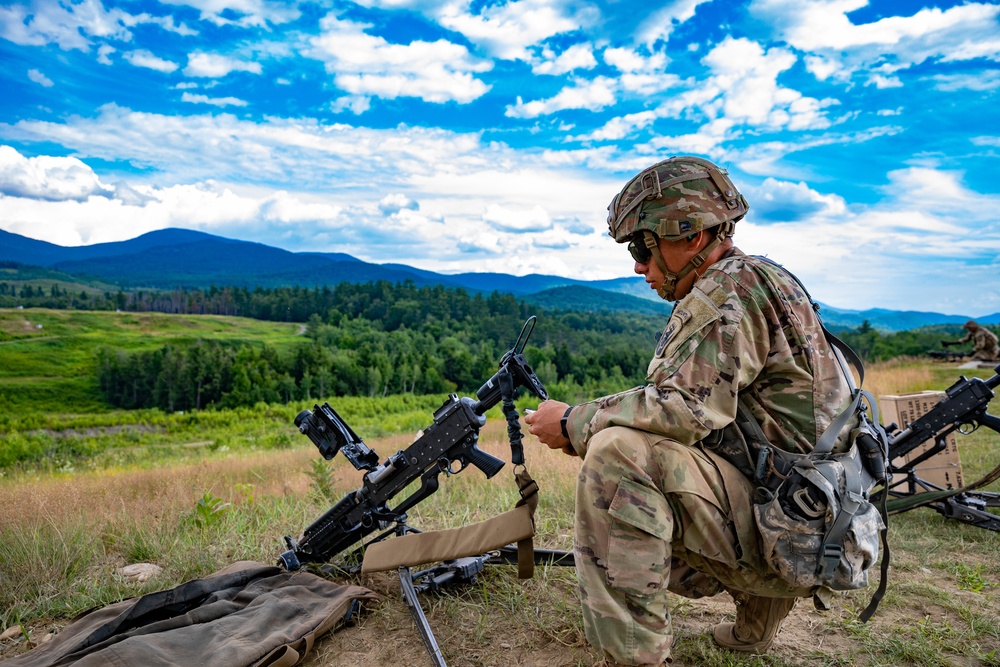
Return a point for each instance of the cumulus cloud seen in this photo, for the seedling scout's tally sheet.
(366, 65)
(40, 78)
(578, 56)
(644, 74)
(661, 23)
(214, 65)
(507, 30)
(593, 95)
(937, 232)
(506, 219)
(143, 58)
(70, 25)
(842, 47)
(104, 52)
(396, 202)
(783, 201)
(48, 178)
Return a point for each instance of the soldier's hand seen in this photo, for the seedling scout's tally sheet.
(946, 343)
(544, 424)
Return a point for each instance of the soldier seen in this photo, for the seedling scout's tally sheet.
(657, 509)
(984, 342)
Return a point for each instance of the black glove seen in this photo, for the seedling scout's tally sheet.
(947, 343)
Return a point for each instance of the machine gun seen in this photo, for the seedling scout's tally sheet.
(963, 409)
(947, 355)
(449, 445)
(451, 440)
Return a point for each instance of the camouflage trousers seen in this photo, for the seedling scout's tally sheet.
(654, 516)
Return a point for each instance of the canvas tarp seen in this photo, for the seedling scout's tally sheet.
(247, 614)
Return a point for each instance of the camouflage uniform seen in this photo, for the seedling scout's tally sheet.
(985, 346)
(656, 509)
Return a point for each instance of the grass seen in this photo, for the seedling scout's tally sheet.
(195, 492)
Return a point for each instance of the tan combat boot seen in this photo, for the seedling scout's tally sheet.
(757, 622)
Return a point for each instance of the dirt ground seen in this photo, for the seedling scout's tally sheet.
(473, 633)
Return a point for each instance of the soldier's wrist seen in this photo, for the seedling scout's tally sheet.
(562, 422)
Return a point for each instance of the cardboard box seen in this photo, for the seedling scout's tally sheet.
(944, 469)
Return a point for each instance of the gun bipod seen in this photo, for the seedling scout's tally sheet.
(419, 618)
(969, 507)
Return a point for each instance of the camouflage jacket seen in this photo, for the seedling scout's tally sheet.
(746, 329)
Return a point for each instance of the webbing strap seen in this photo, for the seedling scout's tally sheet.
(516, 525)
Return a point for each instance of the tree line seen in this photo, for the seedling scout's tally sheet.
(377, 339)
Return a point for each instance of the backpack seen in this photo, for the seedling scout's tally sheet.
(818, 527)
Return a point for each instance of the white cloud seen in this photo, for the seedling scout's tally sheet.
(741, 93)
(365, 65)
(661, 23)
(47, 178)
(840, 47)
(143, 58)
(213, 65)
(214, 101)
(507, 30)
(645, 75)
(981, 81)
(40, 78)
(594, 95)
(506, 219)
(928, 235)
(243, 13)
(620, 127)
(578, 56)
(104, 52)
(67, 24)
(396, 202)
(783, 201)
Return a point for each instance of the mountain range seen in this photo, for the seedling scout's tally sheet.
(182, 258)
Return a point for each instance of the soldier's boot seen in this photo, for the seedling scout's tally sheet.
(758, 620)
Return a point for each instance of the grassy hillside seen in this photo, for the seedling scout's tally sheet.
(47, 357)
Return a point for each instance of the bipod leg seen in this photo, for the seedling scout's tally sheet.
(417, 612)
(967, 510)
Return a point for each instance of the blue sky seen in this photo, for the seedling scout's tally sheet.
(490, 136)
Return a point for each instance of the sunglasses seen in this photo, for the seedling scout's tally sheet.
(637, 247)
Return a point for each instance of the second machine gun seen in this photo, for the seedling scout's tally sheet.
(963, 409)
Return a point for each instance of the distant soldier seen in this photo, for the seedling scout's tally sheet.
(984, 342)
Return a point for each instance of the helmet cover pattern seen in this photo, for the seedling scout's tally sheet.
(675, 198)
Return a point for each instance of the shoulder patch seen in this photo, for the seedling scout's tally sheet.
(696, 311)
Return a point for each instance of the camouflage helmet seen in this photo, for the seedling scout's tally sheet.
(676, 198)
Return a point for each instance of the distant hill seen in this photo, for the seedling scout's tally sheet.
(181, 258)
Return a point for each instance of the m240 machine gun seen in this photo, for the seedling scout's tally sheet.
(448, 446)
(963, 409)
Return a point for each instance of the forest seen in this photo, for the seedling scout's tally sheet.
(379, 339)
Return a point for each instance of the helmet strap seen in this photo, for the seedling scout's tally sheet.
(668, 289)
